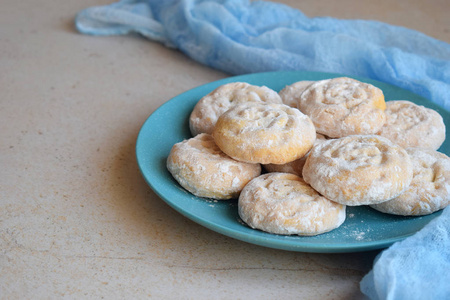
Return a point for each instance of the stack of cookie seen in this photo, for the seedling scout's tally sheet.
(297, 158)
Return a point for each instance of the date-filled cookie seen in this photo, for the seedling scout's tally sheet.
(429, 190)
(206, 112)
(264, 133)
(411, 125)
(204, 170)
(283, 203)
(343, 106)
(358, 169)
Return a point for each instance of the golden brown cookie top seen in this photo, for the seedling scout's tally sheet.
(264, 133)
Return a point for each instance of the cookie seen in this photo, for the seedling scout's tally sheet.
(283, 203)
(206, 112)
(296, 166)
(291, 93)
(264, 133)
(411, 125)
(343, 106)
(358, 169)
(429, 190)
(199, 166)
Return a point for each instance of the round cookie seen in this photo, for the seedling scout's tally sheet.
(296, 166)
(411, 125)
(206, 112)
(343, 106)
(291, 93)
(358, 169)
(283, 203)
(429, 190)
(204, 170)
(264, 133)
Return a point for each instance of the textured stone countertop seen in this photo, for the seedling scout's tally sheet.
(77, 218)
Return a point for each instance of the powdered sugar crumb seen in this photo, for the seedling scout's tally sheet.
(360, 236)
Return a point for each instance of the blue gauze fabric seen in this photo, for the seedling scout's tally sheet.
(415, 268)
(241, 37)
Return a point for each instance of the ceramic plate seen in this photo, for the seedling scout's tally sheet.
(364, 228)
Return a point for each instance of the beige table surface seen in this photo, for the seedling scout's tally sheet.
(78, 220)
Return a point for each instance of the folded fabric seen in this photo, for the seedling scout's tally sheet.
(238, 36)
(415, 268)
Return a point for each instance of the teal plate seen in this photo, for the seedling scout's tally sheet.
(364, 229)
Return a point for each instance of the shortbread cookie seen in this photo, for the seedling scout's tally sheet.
(358, 169)
(264, 133)
(411, 125)
(430, 187)
(204, 170)
(343, 106)
(290, 94)
(206, 112)
(296, 166)
(283, 203)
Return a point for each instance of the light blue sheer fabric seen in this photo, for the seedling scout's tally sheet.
(238, 36)
(415, 268)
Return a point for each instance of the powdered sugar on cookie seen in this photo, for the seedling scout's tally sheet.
(291, 94)
(206, 112)
(429, 190)
(343, 106)
(205, 171)
(283, 203)
(358, 169)
(412, 125)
